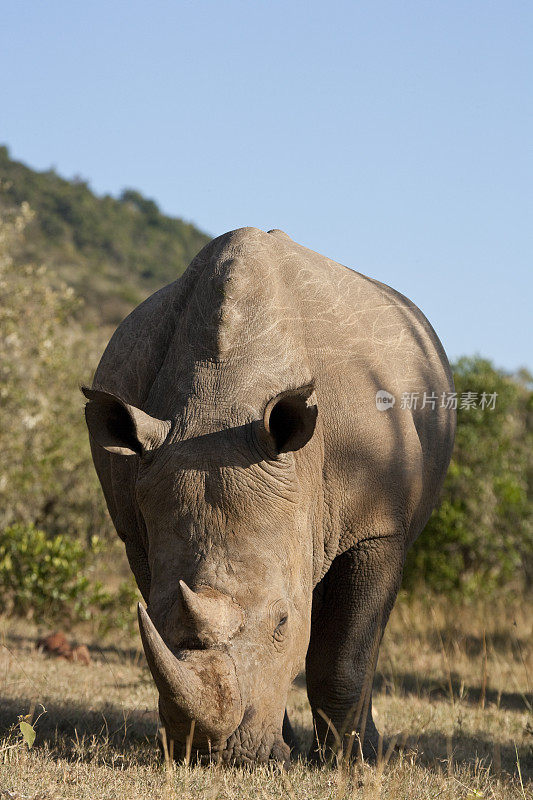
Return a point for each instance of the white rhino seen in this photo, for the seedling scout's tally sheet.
(266, 485)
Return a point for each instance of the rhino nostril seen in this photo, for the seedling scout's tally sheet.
(192, 643)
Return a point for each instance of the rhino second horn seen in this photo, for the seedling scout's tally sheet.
(202, 686)
(214, 616)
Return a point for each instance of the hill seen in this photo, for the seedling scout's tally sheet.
(113, 251)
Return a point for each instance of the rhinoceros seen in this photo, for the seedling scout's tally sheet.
(271, 436)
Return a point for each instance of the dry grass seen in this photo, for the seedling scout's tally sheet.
(456, 681)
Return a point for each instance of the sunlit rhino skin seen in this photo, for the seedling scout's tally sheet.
(265, 501)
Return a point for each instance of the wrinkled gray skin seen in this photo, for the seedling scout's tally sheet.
(265, 503)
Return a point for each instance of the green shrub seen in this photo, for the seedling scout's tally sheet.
(115, 610)
(42, 576)
(480, 538)
(45, 578)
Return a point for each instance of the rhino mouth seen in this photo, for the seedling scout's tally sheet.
(199, 684)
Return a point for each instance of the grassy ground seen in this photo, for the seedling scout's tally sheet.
(454, 685)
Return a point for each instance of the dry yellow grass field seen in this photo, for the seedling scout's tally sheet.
(453, 687)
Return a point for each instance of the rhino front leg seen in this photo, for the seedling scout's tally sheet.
(351, 606)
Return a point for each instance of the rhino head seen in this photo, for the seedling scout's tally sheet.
(229, 513)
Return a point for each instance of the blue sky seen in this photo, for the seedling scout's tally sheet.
(395, 137)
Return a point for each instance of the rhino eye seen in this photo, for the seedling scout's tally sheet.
(280, 629)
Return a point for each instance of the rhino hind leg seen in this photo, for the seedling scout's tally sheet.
(351, 606)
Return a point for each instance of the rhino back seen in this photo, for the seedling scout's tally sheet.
(255, 314)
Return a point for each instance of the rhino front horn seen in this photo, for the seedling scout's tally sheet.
(201, 685)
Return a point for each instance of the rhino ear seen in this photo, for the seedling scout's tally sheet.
(289, 418)
(120, 428)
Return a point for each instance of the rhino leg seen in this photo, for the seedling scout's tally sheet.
(289, 737)
(351, 606)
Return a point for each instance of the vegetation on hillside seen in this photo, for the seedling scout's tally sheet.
(46, 477)
(114, 252)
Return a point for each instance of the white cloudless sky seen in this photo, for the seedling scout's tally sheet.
(395, 137)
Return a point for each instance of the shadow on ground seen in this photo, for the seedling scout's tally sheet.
(74, 732)
(409, 683)
(77, 734)
(432, 750)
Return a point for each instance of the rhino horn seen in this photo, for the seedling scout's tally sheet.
(201, 686)
(214, 616)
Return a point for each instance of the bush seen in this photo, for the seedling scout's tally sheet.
(45, 579)
(480, 537)
(42, 577)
